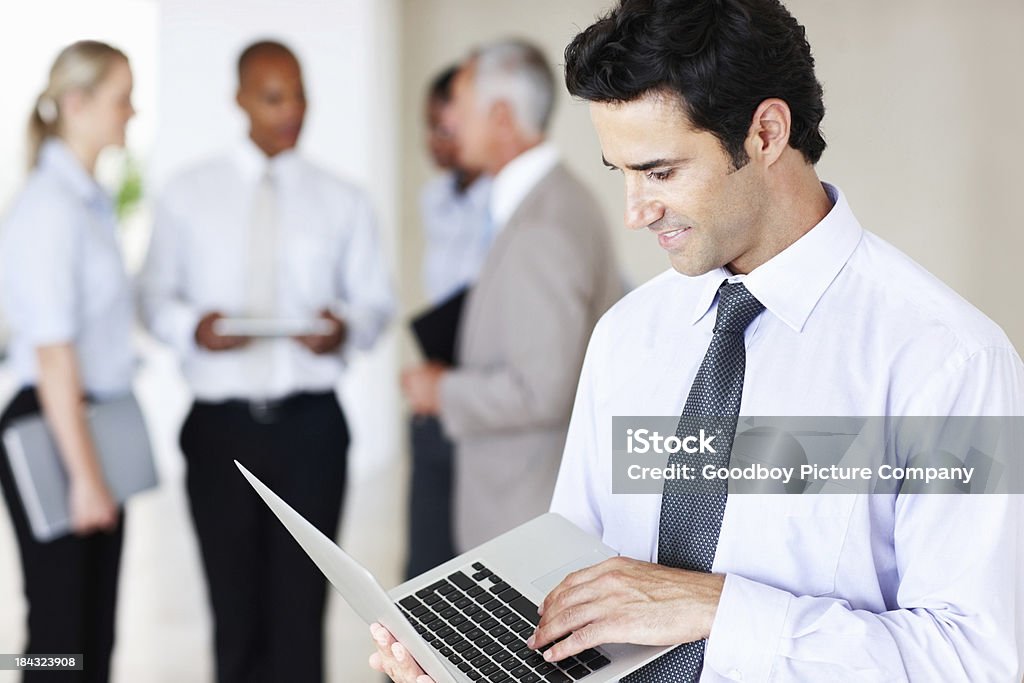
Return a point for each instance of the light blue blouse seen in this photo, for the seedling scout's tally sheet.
(62, 278)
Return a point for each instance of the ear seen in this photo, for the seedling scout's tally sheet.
(239, 98)
(769, 131)
(501, 113)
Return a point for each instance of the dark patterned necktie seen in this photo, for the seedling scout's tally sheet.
(692, 510)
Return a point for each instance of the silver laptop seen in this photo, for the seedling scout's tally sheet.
(468, 619)
(118, 428)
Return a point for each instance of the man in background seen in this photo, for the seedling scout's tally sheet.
(548, 277)
(456, 235)
(262, 235)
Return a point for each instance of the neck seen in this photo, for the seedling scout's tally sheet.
(511, 149)
(463, 179)
(797, 203)
(85, 153)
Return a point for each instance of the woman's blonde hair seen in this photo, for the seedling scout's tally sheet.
(79, 66)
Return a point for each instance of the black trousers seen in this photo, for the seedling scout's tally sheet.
(70, 583)
(267, 596)
(430, 497)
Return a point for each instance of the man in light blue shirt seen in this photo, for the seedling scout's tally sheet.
(453, 207)
(457, 235)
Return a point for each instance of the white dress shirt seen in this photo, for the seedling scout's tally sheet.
(836, 587)
(329, 257)
(456, 234)
(517, 178)
(63, 278)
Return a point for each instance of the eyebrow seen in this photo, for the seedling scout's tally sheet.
(647, 165)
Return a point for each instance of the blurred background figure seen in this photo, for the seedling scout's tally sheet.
(548, 277)
(261, 233)
(69, 306)
(454, 205)
(457, 236)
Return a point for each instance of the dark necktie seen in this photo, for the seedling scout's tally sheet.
(692, 510)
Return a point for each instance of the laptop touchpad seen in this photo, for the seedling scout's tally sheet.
(552, 579)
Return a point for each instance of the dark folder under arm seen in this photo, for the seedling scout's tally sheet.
(437, 329)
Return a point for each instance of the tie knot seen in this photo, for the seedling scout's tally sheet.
(737, 307)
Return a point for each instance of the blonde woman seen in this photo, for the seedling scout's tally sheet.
(69, 306)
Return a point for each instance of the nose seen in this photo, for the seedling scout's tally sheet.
(641, 210)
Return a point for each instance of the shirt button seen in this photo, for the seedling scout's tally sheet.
(736, 674)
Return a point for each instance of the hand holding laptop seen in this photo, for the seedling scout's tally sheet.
(620, 600)
(393, 660)
(469, 618)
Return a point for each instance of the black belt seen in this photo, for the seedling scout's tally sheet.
(269, 411)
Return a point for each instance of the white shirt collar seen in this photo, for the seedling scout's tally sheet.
(253, 163)
(517, 179)
(790, 283)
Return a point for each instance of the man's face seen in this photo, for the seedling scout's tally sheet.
(272, 95)
(681, 185)
(470, 123)
(440, 140)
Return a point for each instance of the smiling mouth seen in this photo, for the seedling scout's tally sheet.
(672, 238)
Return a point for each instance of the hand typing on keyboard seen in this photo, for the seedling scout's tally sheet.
(478, 623)
(393, 659)
(622, 600)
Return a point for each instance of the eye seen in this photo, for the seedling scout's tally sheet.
(660, 175)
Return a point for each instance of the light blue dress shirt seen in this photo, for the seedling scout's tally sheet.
(839, 587)
(457, 234)
(62, 276)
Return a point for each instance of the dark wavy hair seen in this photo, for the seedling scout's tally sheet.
(722, 58)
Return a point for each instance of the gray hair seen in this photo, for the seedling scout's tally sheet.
(516, 72)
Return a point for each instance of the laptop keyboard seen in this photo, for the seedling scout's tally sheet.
(480, 624)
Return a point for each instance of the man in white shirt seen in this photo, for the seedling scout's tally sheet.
(261, 233)
(548, 277)
(880, 587)
(711, 111)
(457, 236)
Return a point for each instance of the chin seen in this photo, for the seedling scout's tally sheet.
(689, 267)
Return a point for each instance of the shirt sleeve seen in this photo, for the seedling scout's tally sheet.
(40, 262)
(367, 300)
(166, 311)
(576, 494)
(961, 595)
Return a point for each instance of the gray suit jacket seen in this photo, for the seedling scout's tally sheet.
(549, 276)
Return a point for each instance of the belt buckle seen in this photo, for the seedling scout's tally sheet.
(264, 411)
